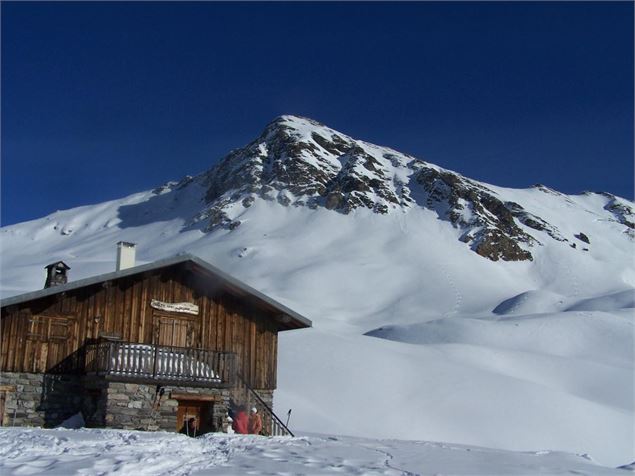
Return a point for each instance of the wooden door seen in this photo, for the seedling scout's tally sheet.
(175, 331)
(186, 410)
(50, 339)
(201, 410)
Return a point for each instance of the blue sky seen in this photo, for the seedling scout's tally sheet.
(100, 100)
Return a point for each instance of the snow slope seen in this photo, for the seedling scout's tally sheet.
(94, 452)
(416, 336)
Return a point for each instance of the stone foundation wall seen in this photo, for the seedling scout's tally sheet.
(46, 400)
(140, 407)
(95, 401)
(40, 399)
(267, 396)
(242, 396)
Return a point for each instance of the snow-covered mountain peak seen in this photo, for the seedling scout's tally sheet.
(300, 126)
(300, 162)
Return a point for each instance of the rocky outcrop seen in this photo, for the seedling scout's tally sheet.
(488, 223)
(622, 211)
(582, 237)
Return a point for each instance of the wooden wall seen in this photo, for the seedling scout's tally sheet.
(39, 334)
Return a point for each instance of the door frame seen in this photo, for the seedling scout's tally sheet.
(203, 411)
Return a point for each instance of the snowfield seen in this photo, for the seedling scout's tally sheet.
(97, 452)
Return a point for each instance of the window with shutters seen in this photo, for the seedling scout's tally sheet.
(46, 328)
(49, 341)
(175, 331)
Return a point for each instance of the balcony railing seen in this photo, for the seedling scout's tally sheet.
(163, 364)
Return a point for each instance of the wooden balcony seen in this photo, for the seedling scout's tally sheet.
(142, 363)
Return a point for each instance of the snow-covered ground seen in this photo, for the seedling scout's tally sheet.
(97, 452)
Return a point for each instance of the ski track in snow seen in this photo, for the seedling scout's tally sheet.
(572, 278)
(458, 296)
(388, 462)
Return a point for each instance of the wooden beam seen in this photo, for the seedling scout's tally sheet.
(195, 397)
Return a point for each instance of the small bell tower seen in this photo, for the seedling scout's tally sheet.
(56, 274)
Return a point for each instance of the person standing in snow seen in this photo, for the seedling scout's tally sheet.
(255, 422)
(241, 421)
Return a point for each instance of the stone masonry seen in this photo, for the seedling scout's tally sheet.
(41, 399)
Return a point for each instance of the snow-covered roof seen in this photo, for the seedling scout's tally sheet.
(232, 284)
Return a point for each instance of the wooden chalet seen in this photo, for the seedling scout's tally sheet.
(147, 347)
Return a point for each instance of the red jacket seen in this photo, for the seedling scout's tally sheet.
(240, 423)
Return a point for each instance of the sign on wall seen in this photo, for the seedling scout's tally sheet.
(183, 307)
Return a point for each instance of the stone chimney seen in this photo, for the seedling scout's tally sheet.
(56, 274)
(125, 255)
